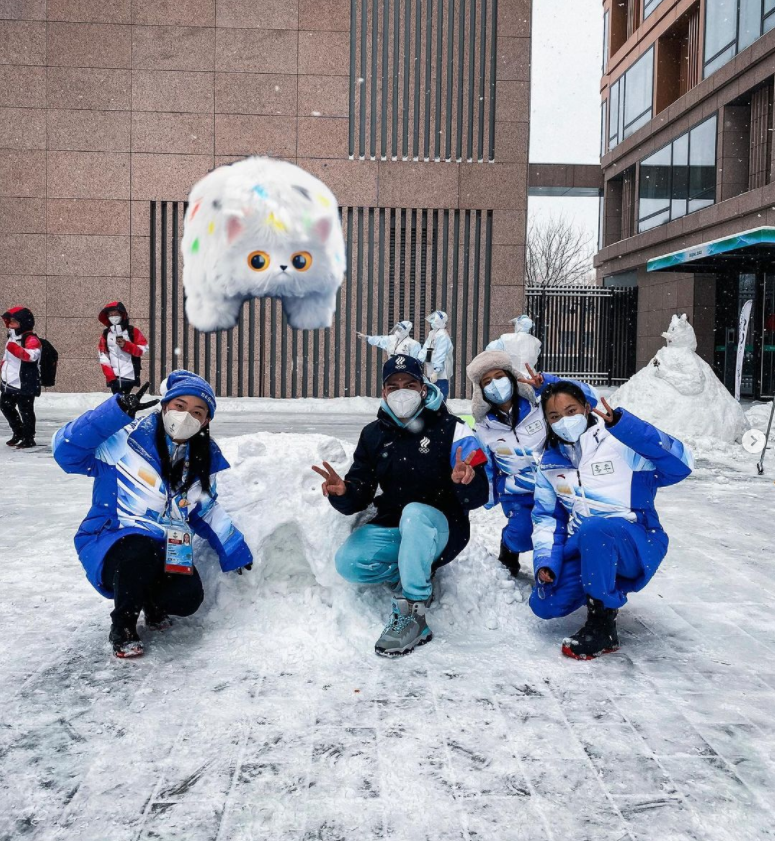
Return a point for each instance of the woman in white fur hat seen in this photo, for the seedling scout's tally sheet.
(511, 427)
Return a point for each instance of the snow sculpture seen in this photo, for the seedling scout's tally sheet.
(261, 228)
(679, 392)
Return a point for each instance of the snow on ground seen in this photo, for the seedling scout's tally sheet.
(267, 715)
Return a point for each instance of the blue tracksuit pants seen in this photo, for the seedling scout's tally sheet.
(376, 554)
(518, 532)
(603, 559)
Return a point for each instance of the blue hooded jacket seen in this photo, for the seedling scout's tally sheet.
(129, 495)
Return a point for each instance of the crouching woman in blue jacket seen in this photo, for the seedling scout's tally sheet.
(596, 533)
(154, 489)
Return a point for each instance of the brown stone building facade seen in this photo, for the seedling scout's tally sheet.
(687, 157)
(415, 114)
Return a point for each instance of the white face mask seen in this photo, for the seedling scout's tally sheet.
(571, 428)
(114, 319)
(404, 402)
(180, 426)
(499, 390)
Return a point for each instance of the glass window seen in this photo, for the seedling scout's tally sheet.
(702, 165)
(605, 41)
(603, 144)
(613, 128)
(649, 6)
(639, 91)
(630, 100)
(750, 27)
(769, 21)
(655, 183)
(679, 178)
(769, 6)
(720, 26)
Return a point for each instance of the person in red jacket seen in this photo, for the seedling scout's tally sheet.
(20, 377)
(122, 346)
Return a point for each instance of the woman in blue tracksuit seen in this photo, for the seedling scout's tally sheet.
(511, 427)
(597, 536)
(154, 485)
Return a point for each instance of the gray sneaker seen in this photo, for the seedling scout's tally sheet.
(406, 629)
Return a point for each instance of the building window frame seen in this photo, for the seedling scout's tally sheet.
(606, 25)
(766, 23)
(649, 7)
(668, 208)
(624, 130)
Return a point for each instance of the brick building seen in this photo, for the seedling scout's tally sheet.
(687, 156)
(416, 115)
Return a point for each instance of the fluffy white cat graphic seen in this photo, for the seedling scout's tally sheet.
(261, 228)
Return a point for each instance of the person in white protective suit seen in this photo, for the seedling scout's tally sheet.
(523, 348)
(397, 341)
(437, 353)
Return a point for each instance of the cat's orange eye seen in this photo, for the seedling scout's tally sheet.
(258, 261)
(301, 261)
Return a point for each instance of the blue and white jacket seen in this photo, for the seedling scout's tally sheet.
(129, 495)
(613, 471)
(513, 454)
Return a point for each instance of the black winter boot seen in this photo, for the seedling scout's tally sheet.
(597, 636)
(12, 442)
(125, 641)
(26, 444)
(156, 619)
(509, 559)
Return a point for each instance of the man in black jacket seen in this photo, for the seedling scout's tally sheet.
(430, 470)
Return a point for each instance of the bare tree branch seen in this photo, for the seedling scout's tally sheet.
(558, 254)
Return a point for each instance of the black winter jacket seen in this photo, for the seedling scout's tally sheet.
(416, 466)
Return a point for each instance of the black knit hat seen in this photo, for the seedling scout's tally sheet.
(402, 364)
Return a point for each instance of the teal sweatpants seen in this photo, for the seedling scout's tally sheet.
(376, 554)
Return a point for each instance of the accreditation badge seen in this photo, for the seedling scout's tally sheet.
(179, 557)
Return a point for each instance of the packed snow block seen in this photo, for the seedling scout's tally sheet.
(276, 501)
(679, 392)
(261, 228)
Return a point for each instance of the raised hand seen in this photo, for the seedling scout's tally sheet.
(462, 472)
(535, 380)
(361, 335)
(608, 415)
(333, 483)
(131, 404)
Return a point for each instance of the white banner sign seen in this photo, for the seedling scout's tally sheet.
(745, 317)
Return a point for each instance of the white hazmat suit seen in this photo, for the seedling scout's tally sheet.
(397, 341)
(523, 348)
(437, 352)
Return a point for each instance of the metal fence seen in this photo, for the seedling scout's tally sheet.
(587, 332)
(402, 263)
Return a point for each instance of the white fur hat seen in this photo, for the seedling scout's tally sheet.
(478, 367)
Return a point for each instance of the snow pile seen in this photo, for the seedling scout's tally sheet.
(294, 534)
(679, 392)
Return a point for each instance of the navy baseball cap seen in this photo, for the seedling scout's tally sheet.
(402, 364)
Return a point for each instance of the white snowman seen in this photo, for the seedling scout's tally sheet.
(680, 393)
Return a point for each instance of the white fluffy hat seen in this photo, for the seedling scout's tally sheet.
(478, 367)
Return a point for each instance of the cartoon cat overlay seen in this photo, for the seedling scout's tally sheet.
(261, 228)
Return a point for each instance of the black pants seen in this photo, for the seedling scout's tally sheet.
(121, 386)
(19, 410)
(134, 570)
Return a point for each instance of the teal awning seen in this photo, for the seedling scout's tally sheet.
(757, 236)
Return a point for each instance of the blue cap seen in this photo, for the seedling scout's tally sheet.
(183, 383)
(402, 364)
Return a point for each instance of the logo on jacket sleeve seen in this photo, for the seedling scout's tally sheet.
(425, 444)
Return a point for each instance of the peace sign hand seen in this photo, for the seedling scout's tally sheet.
(131, 404)
(333, 484)
(535, 380)
(463, 473)
(608, 415)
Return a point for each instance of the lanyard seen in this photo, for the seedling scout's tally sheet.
(183, 501)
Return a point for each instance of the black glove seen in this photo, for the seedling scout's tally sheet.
(131, 404)
(247, 567)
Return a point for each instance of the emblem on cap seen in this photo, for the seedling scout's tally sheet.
(400, 362)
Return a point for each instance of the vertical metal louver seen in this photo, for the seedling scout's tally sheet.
(422, 79)
(402, 263)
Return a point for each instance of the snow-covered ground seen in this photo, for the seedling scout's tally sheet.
(267, 715)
